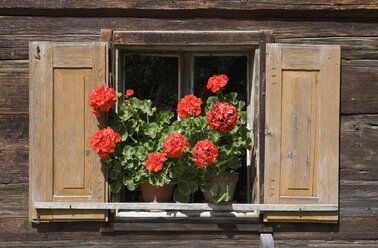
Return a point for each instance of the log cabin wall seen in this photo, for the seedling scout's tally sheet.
(351, 24)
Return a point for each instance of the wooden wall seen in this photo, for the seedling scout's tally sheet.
(326, 23)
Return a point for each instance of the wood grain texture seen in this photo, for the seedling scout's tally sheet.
(14, 149)
(84, 26)
(14, 200)
(186, 37)
(62, 77)
(194, 4)
(302, 126)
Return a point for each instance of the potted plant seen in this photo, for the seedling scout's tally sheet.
(139, 141)
(145, 147)
(218, 140)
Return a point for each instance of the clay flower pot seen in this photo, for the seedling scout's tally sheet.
(224, 180)
(153, 193)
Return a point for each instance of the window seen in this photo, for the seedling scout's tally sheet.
(294, 117)
(154, 74)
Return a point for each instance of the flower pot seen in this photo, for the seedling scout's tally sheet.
(224, 180)
(153, 193)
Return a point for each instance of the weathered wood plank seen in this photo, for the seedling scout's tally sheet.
(14, 93)
(359, 148)
(351, 47)
(186, 37)
(148, 242)
(17, 46)
(283, 28)
(193, 5)
(359, 84)
(349, 228)
(14, 148)
(14, 200)
(298, 243)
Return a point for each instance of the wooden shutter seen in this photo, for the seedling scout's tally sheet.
(63, 166)
(302, 129)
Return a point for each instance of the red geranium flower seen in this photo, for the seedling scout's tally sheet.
(175, 144)
(216, 82)
(102, 98)
(223, 117)
(155, 161)
(205, 153)
(129, 93)
(189, 106)
(104, 141)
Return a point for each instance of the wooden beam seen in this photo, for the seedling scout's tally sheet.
(192, 5)
(186, 37)
(187, 206)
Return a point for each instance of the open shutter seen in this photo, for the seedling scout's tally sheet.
(302, 129)
(63, 166)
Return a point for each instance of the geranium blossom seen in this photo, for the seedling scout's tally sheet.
(216, 82)
(102, 98)
(205, 153)
(129, 93)
(104, 141)
(189, 106)
(155, 161)
(175, 144)
(223, 117)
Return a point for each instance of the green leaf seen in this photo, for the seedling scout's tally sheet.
(214, 135)
(221, 194)
(129, 184)
(186, 188)
(210, 102)
(180, 198)
(115, 186)
(125, 112)
(152, 130)
(124, 134)
(128, 152)
(164, 117)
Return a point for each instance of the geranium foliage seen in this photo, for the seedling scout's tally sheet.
(147, 145)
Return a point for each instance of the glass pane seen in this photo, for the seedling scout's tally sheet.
(154, 78)
(235, 67)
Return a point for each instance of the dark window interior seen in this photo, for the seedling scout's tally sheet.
(153, 77)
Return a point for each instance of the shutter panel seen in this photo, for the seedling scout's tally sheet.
(63, 166)
(302, 129)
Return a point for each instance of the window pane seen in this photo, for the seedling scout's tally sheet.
(235, 67)
(153, 77)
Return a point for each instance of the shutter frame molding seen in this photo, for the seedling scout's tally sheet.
(65, 169)
(302, 129)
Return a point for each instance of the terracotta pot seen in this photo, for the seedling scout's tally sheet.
(153, 193)
(224, 180)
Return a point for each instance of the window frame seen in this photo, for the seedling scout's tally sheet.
(170, 43)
